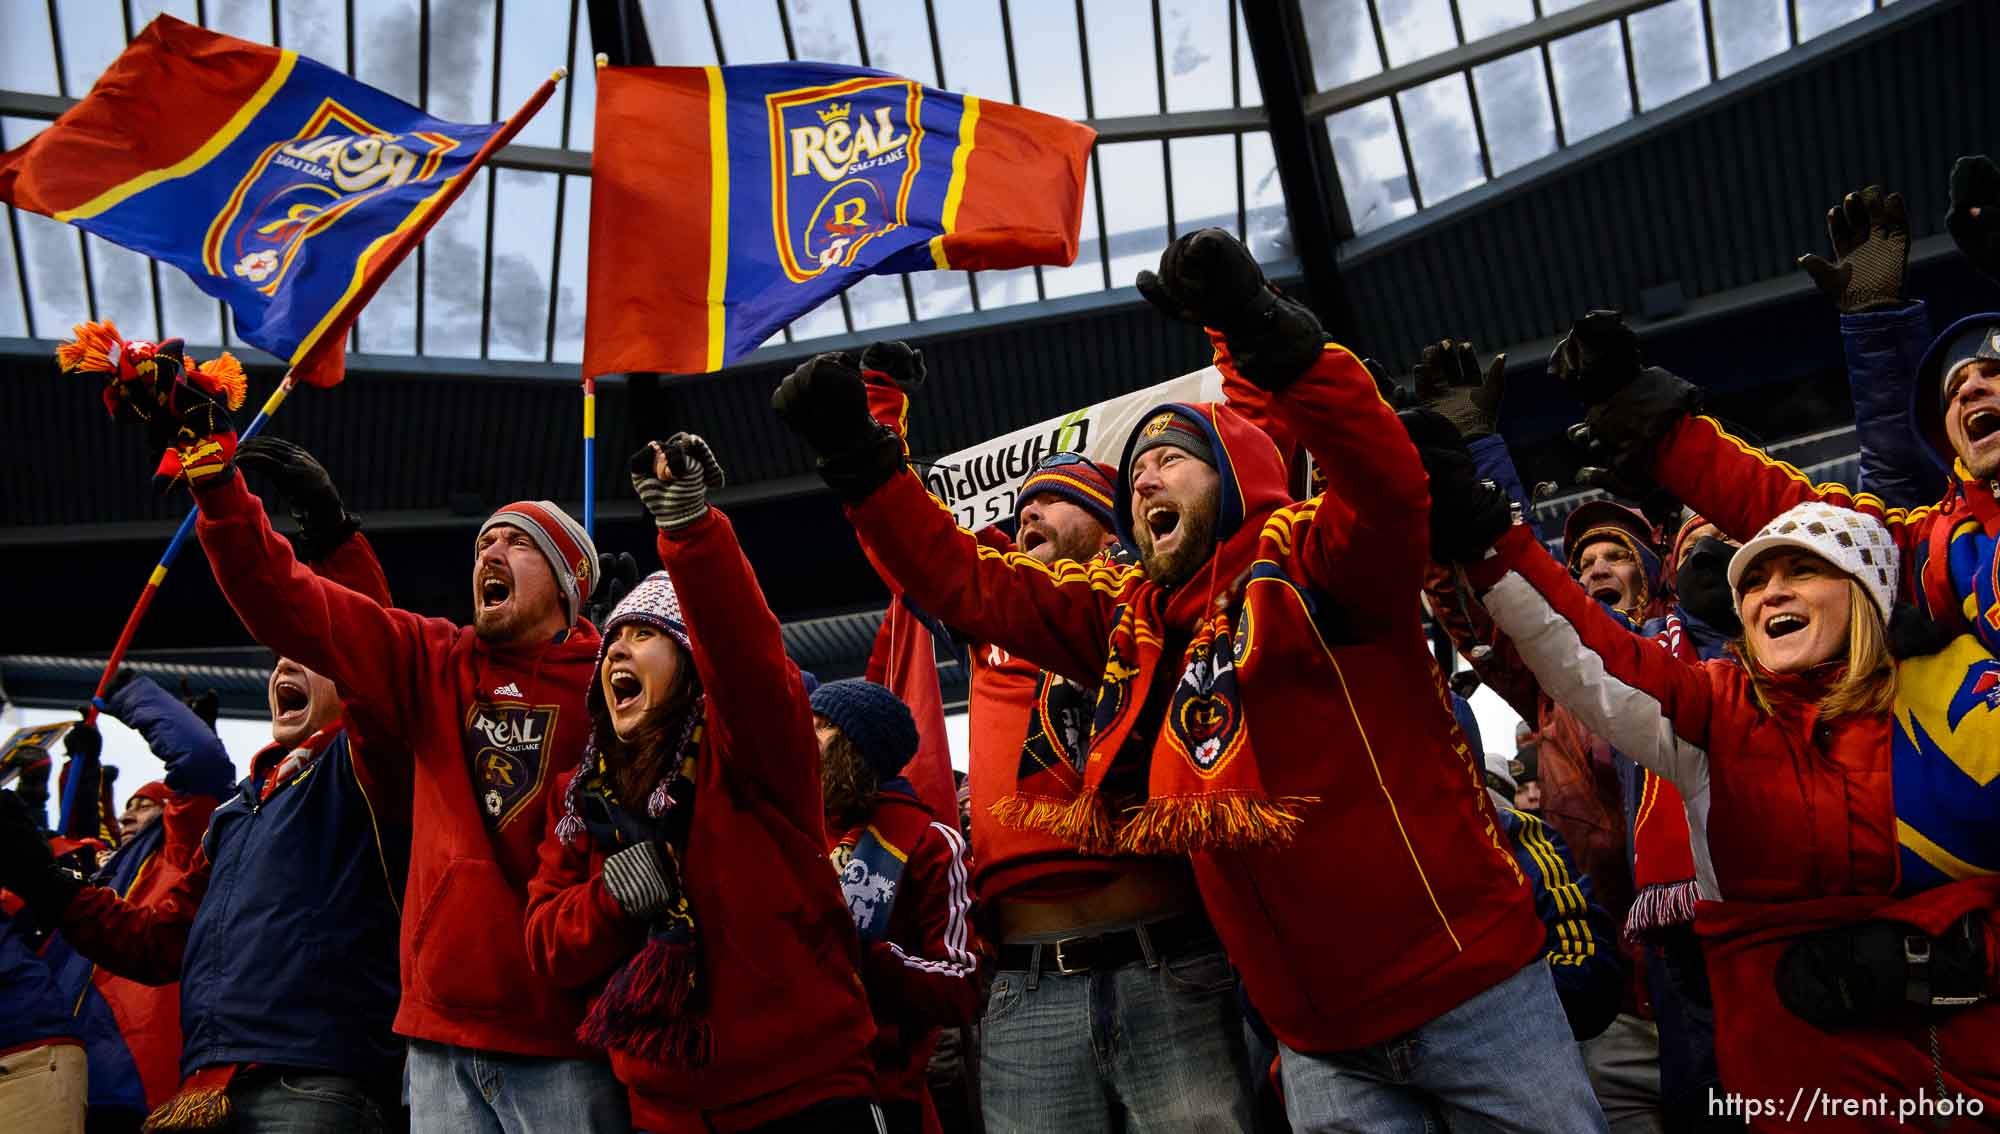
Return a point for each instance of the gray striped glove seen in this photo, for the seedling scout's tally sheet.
(681, 501)
(637, 882)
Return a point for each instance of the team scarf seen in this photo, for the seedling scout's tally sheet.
(1169, 767)
(870, 871)
(1662, 846)
(650, 1008)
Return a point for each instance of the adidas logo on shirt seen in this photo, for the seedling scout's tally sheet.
(508, 690)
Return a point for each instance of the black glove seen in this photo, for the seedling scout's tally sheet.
(308, 491)
(903, 363)
(1449, 381)
(1914, 634)
(1598, 356)
(1399, 397)
(1209, 277)
(1467, 514)
(206, 704)
(1618, 434)
(1974, 217)
(1702, 580)
(825, 402)
(27, 865)
(616, 576)
(1860, 973)
(83, 742)
(1870, 231)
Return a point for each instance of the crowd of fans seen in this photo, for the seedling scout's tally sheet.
(1230, 854)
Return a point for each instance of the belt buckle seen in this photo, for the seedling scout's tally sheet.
(1062, 965)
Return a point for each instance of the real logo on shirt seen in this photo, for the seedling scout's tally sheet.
(509, 746)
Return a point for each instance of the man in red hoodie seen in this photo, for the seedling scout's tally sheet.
(485, 712)
(1266, 704)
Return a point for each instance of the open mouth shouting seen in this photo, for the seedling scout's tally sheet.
(1981, 422)
(494, 591)
(1784, 624)
(290, 698)
(1032, 537)
(1163, 523)
(624, 690)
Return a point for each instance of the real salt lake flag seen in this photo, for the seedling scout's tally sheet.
(280, 186)
(727, 201)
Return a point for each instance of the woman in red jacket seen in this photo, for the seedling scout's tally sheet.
(1847, 884)
(684, 877)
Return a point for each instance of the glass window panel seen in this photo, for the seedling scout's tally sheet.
(1551, 7)
(1047, 57)
(1013, 288)
(1196, 41)
(1591, 84)
(1514, 102)
(1416, 29)
(1668, 52)
(751, 32)
(13, 309)
(1135, 208)
(55, 273)
(899, 38)
(823, 30)
(1438, 116)
(975, 59)
(531, 46)
(1491, 17)
(941, 293)
(1086, 272)
(27, 56)
(676, 29)
(1369, 159)
(388, 325)
(191, 313)
(316, 29)
(522, 239)
(1341, 40)
(93, 33)
(455, 274)
(1247, 89)
(143, 12)
(1270, 235)
(575, 275)
(1204, 182)
(244, 19)
(1748, 32)
(124, 288)
(461, 75)
(582, 95)
(1816, 17)
(1123, 76)
(385, 48)
(818, 323)
(877, 301)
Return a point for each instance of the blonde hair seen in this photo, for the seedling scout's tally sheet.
(1869, 683)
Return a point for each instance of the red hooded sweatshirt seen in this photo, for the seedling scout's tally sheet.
(1400, 864)
(1795, 822)
(778, 983)
(486, 726)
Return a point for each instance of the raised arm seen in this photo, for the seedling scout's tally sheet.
(196, 761)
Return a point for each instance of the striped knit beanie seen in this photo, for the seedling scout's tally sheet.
(1075, 478)
(564, 543)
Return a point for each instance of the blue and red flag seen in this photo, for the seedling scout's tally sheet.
(728, 201)
(279, 185)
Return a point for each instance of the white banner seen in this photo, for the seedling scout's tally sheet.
(978, 483)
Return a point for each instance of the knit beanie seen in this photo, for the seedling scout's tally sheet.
(874, 719)
(564, 543)
(1854, 542)
(1075, 478)
(157, 791)
(1172, 427)
(651, 603)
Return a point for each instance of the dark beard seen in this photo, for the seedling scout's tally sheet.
(1196, 545)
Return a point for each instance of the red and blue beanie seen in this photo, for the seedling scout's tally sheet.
(874, 719)
(1076, 478)
(1172, 427)
(564, 543)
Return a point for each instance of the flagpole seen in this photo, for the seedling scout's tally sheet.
(173, 552)
(589, 456)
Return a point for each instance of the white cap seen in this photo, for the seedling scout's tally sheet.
(1496, 768)
(1854, 542)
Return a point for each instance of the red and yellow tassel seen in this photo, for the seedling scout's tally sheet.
(90, 348)
(223, 376)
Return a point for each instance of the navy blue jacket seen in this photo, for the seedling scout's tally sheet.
(1883, 349)
(1580, 951)
(284, 933)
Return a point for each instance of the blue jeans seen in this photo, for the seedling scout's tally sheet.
(1501, 1061)
(457, 1090)
(303, 1102)
(1141, 1048)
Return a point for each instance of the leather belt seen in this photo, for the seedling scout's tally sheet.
(1072, 956)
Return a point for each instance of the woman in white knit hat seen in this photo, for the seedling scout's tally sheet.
(1837, 966)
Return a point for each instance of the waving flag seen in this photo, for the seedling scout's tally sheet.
(279, 185)
(728, 201)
